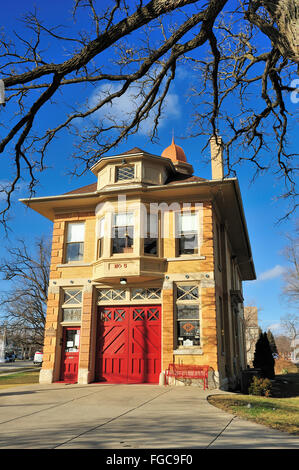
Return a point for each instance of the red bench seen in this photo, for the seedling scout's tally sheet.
(188, 371)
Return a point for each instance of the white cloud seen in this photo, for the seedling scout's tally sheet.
(275, 327)
(123, 107)
(271, 273)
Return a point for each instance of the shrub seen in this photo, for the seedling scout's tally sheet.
(261, 387)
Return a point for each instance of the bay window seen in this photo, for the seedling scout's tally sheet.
(151, 235)
(123, 233)
(101, 233)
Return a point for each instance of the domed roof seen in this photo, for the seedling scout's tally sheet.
(174, 152)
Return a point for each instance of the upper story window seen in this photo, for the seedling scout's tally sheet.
(218, 245)
(101, 237)
(151, 235)
(124, 173)
(187, 233)
(75, 241)
(123, 233)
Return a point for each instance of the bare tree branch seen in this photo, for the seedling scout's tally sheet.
(24, 305)
(146, 43)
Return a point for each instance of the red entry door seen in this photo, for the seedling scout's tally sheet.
(129, 346)
(70, 355)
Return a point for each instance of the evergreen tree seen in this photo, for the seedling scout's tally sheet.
(263, 358)
(272, 342)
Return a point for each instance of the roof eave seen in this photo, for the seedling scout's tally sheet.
(130, 156)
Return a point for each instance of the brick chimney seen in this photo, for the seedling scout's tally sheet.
(217, 158)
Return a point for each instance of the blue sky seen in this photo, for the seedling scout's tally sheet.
(262, 209)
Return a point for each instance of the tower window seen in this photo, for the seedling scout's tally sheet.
(124, 173)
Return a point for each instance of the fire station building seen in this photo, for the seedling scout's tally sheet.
(146, 269)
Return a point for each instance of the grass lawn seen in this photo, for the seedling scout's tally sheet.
(280, 411)
(19, 378)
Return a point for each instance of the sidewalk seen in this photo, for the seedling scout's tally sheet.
(106, 416)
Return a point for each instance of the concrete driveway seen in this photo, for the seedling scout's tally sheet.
(105, 416)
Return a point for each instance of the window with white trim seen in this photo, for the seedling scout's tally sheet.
(151, 235)
(123, 233)
(72, 305)
(100, 248)
(187, 233)
(111, 294)
(75, 241)
(187, 316)
(151, 293)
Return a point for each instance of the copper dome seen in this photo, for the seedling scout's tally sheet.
(175, 153)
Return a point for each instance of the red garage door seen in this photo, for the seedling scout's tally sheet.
(129, 344)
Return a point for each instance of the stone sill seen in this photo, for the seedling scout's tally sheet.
(186, 258)
(73, 265)
(187, 351)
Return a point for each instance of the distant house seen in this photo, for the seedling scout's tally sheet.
(147, 269)
(295, 350)
(251, 332)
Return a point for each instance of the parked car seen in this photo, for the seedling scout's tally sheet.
(38, 358)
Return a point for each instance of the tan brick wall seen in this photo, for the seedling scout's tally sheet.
(57, 248)
(208, 344)
(167, 327)
(85, 337)
(53, 329)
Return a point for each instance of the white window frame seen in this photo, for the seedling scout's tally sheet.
(73, 239)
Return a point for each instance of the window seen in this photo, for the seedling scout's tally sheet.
(75, 241)
(124, 173)
(72, 303)
(146, 294)
(71, 314)
(111, 294)
(73, 296)
(123, 233)
(222, 344)
(187, 233)
(151, 236)
(138, 294)
(187, 292)
(187, 310)
(218, 242)
(101, 237)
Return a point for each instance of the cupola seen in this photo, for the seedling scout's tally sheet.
(177, 155)
(174, 152)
